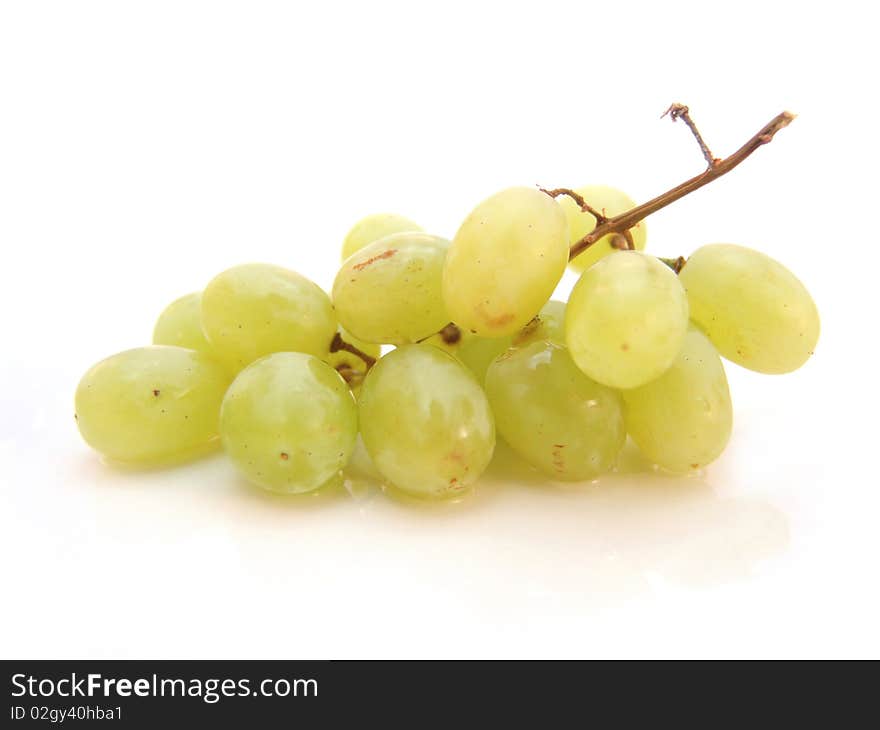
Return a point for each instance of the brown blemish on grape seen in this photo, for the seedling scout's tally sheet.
(156, 392)
(494, 320)
(378, 257)
(558, 461)
(284, 456)
(624, 346)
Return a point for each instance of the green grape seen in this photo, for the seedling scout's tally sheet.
(180, 324)
(478, 353)
(289, 423)
(548, 324)
(682, 420)
(372, 228)
(475, 353)
(626, 319)
(561, 422)
(389, 292)
(505, 262)
(426, 422)
(609, 202)
(253, 310)
(152, 405)
(755, 311)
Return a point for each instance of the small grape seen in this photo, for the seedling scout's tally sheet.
(372, 228)
(682, 420)
(289, 423)
(426, 422)
(390, 291)
(626, 319)
(505, 262)
(609, 202)
(151, 405)
(554, 416)
(755, 311)
(475, 353)
(253, 310)
(180, 324)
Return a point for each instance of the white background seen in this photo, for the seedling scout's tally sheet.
(145, 147)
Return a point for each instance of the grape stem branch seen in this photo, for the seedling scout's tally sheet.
(337, 344)
(620, 224)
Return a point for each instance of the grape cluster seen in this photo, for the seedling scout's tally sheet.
(286, 377)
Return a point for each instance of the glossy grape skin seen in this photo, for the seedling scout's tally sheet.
(374, 227)
(505, 261)
(253, 310)
(549, 324)
(608, 201)
(475, 353)
(180, 325)
(559, 420)
(289, 423)
(755, 311)
(426, 422)
(390, 291)
(683, 419)
(626, 319)
(151, 405)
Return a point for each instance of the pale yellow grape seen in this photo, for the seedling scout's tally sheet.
(151, 405)
(682, 420)
(559, 420)
(626, 319)
(289, 423)
(548, 324)
(372, 228)
(609, 202)
(755, 311)
(505, 262)
(426, 422)
(390, 291)
(180, 324)
(254, 310)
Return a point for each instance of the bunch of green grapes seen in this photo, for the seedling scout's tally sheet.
(265, 364)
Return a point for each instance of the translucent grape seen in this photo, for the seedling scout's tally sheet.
(682, 420)
(608, 201)
(475, 353)
(549, 324)
(559, 420)
(626, 319)
(426, 422)
(256, 309)
(372, 228)
(505, 262)
(390, 291)
(755, 311)
(180, 324)
(151, 405)
(289, 423)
